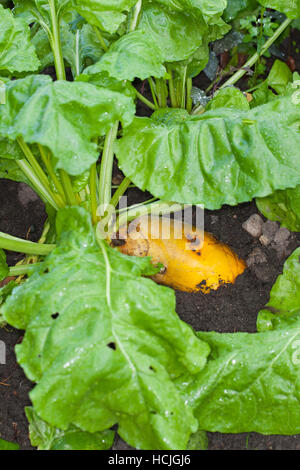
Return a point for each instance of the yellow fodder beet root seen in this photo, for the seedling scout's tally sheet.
(193, 260)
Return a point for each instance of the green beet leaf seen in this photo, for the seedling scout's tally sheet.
(5, 291)
(279, 77)
(46, 437)
(10, 170)
(284, 297)
(10, 150)
(282, 206)
(133, 55)
(105, 14)
(40, 10)
(224, 156)
(250, 382)
(176, 34)
(290, 7)
(237, 7)
(229, 97)
(5, 445)
(103, 343)
(17, 53)
(48, 113)
(210, 10)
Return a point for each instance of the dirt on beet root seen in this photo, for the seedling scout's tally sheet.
(231, 308)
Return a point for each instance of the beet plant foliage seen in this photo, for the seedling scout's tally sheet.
(103, 343)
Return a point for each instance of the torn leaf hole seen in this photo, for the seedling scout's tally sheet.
(112, 345)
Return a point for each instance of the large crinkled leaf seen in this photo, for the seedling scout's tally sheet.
(177, 34)
(103, 343)
(224, 156)
(282, 206)
(48, 113)
(17, 53)
(46, 437)
(284, 297)
(251, 382)
(105, 14)
(210, 10)
(133, 55)
(290, 7)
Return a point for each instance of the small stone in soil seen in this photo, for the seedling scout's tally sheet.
(254, 225)
(257, 256)
(117, 179)
(282, 236)
(26, 194)
(269, 231)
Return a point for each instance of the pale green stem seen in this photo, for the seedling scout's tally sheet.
(33, 162)
(183, 88)
(155, 208)
(35, 181)
(134, 206)
(7, 242)
(100, 39)
(189, 102)
(107, 166)
(78, 68)
(51, 172)
(120, 191)
(68, 189)
(152, 88)
(172, 90)
(56, 43)
(23, 269)
(93, 192)
(61, 75)
(135, 16)
(144, 100)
